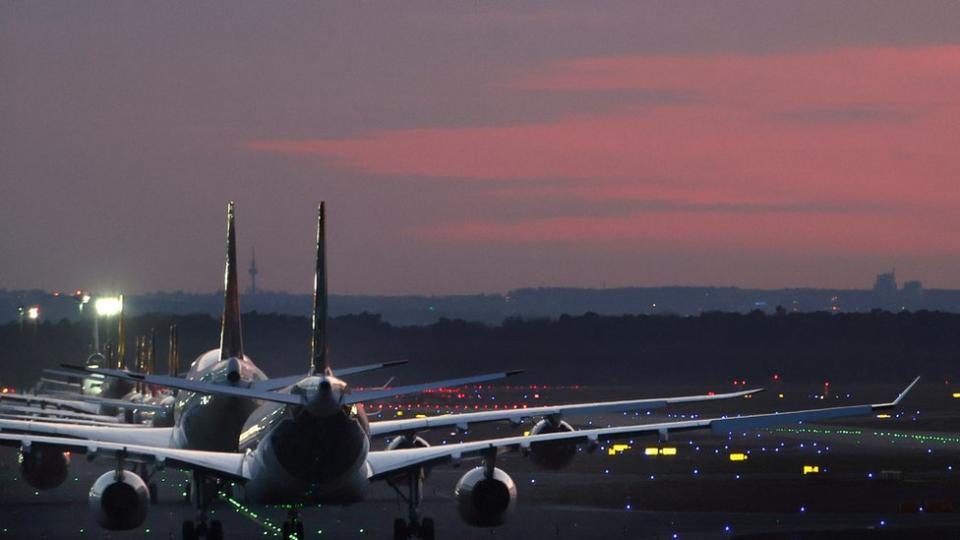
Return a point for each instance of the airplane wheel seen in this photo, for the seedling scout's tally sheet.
(400, 529)
(216, 530)
(426, 529)
(154, 493)
(189, 531)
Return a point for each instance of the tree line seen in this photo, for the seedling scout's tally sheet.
(588, 349)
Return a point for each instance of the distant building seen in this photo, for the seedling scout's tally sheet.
(886, 285)
(912, 290)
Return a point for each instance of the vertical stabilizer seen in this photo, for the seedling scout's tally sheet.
(231, 339)
(173, 353)
(318, 345)
(151, 352)
(121, 362)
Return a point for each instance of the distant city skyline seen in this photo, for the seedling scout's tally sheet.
(480, 147)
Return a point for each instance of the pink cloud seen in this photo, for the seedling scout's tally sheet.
(854, 127)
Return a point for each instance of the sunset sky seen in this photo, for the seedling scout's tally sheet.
(480, 146)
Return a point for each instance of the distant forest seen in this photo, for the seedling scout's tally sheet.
(588, 349)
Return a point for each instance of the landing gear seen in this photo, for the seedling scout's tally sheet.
(145, 472)
(206, 490)
(293, 525)
(413, 526)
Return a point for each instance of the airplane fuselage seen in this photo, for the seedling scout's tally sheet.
(214, 423)
(297, 456)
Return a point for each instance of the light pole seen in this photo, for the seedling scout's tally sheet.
(33, 313)
(105, 306)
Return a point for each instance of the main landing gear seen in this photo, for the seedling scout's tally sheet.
(413, 526)
(147, 473)
(206, 491)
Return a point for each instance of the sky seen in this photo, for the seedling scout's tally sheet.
(480, 146)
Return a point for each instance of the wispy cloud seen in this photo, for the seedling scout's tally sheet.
(826, 150)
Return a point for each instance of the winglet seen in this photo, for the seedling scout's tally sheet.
(905, 392)
(900, 397)
(231, 337)
(318, 343)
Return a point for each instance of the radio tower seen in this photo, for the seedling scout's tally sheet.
(253, 272)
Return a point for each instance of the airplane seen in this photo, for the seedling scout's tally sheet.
(310, 443)
(200, 421)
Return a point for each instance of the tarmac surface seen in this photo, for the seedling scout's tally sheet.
(878, 478)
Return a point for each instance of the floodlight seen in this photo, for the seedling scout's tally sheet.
(33, 313)
(108, 306)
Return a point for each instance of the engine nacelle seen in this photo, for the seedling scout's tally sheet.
(119, 501)
(43, 467)
(164, 418)
(552, 455)
(403, 441)
(485, 502)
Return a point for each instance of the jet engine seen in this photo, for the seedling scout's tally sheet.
(404, 441)
(44, 467)
(552, 455)
(483, 501)
(119, 500)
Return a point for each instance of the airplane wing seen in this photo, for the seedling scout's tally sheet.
(517, 416)
(228, 465)
(124, 404)
(385, 463)
(148, 436)
(58, 413)
(72, 404)
(291, 399)
(85, 404)
(276, 383)
(75, 421)
(70, 374)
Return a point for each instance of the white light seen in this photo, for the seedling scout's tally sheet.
(33, 313)
(108, 305)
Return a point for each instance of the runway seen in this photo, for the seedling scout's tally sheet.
(890, 478)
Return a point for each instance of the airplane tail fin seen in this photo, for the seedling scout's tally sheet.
(318, 343)
(173, 352)
(231, 338)
(121, 361)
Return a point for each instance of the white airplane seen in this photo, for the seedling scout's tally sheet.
(310, 443)
(200, 421)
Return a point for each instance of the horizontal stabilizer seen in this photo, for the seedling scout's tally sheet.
(276, 383)
(200, 387)
(359, 396)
